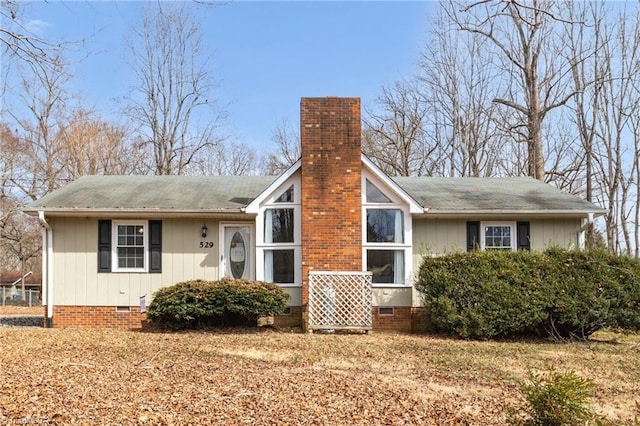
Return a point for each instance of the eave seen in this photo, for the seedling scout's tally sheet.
(501, 213)
(234, 213)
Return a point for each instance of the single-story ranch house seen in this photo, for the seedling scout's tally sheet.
(342, 238)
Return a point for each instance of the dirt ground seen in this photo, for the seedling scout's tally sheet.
(94, 376)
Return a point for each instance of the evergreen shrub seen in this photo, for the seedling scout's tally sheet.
(556, 399)
(198, 303)
(562, 293)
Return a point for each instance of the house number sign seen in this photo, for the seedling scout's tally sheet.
(206, 244)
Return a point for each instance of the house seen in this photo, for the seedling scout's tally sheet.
(342, 238)
(14, 283)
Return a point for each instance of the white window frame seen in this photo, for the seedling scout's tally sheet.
(263, 247)
(114, 245)
(514, 237)
(395, 204)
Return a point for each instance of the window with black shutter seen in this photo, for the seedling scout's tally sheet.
(473, 236)
(155, 246)
(104, 246)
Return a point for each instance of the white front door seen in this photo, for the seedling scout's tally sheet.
(236, 257)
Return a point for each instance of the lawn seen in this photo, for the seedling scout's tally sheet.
(79, 376)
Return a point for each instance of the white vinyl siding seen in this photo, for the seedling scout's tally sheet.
(77, 282)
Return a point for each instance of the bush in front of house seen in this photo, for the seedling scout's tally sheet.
(198, 303)
(562, 293)
(556, 398)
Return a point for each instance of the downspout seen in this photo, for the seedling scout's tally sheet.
(47, 267)
(584, 230)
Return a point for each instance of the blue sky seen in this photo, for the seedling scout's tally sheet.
(265, 55)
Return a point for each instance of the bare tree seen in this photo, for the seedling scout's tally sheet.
(91, 146)
(287, 152)
(226, 158)
(618, 101)
(458, 85)
(20, 241)
(174, 88)
(523, 39)
(19, 42)
(35, 169)
(394, 137)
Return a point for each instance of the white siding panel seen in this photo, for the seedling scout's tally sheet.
(77, 282)
(392, 296)
(295, 295)
(437, 236)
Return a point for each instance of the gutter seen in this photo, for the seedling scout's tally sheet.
(47, 267)
(503, 212)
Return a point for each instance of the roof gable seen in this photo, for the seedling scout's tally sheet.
(414, 206)
(254, 205)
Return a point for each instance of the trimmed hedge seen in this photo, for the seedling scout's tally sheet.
(198, 303)
(562, 293)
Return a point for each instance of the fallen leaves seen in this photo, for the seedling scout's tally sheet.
(54, 376)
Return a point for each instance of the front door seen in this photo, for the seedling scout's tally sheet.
(236, 260)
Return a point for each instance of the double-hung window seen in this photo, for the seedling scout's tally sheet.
(130, 246)
(498, 236)
(385, 246)
(279, 246)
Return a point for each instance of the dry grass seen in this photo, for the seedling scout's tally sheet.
(21, 310)
(78, 376)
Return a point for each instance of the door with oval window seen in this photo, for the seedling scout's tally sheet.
(236, 260)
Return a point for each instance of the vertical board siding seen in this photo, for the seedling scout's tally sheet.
(77, 282)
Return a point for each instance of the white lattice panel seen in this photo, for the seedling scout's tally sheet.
(340, 300)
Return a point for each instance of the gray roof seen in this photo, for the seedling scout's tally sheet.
(155, 193)
(229, 194)
(508, 194)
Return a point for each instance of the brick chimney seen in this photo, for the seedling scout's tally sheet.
(330, 133)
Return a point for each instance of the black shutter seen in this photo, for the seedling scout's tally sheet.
(473, 236)
(524, 237)
(155, 246)
(104, 246)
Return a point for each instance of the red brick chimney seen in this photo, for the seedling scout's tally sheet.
(330, 134)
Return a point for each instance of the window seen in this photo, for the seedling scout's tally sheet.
(384, 226)
(286, 197)
(279, 254)
(130, 246)
(279, 266)
(384, 246)
(278, 226)
(498, 237)
(387, 266)
(374, 195)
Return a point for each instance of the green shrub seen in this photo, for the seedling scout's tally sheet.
(556, 399)
(198, 303)
(481, 294)
(563, 293)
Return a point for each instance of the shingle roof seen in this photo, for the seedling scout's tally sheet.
(517, 194)
(232, 193)
(160, 193)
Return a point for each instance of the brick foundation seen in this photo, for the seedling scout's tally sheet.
(97, 317)
(405, 319)
(291, 319)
